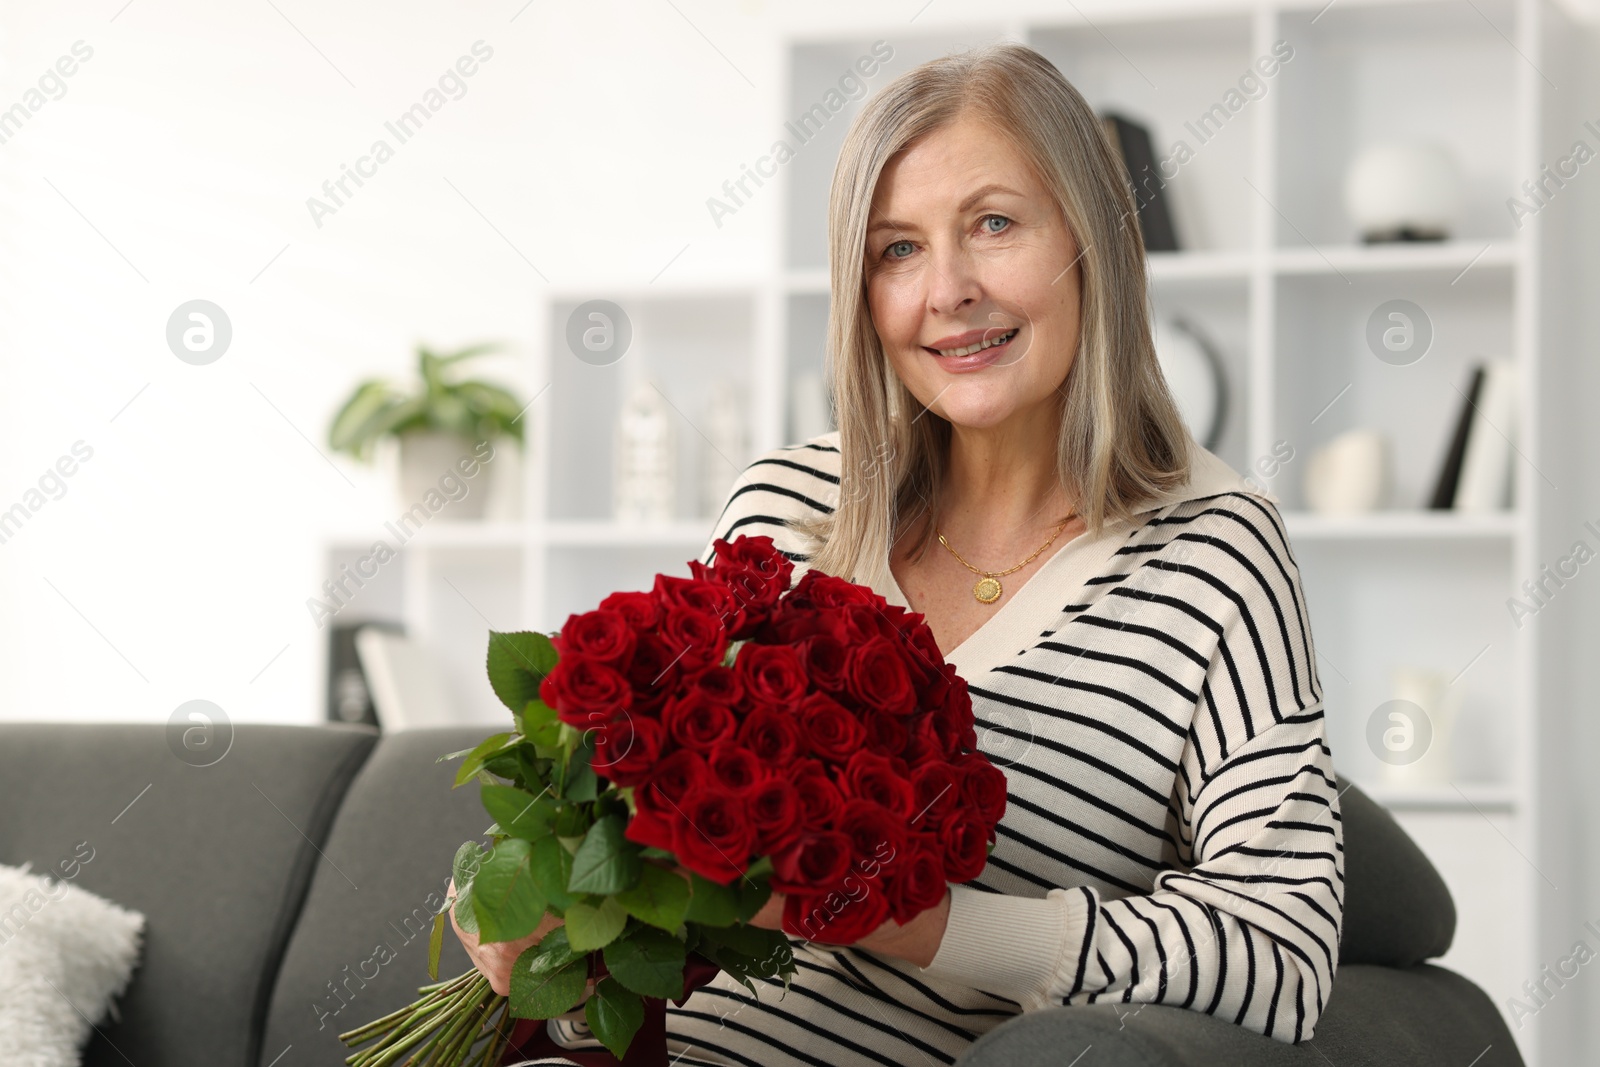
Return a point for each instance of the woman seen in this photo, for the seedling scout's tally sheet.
(1125, 608)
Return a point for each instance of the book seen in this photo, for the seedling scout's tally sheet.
(1444, 489)
(1132, 143)
(1485, 483)
(349, 693)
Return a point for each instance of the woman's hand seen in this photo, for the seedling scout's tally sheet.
(495, 958)
(917, 941)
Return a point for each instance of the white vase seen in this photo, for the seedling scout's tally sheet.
(430, 460)
(1403, 191)
(1349, 475)
(1431, 692)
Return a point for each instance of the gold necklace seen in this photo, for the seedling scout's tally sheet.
(987, 589)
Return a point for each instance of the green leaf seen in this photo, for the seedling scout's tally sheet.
(435, 946)
(505, 895)
(518, 812)
(539, 724)
(517, 663)
(711, 904)
(582, 783)
(548, 979)
(476, 757)
(752, 895)
(606, 862)
(749, 941)
(552, 867)
(649, 962)
(615, 1015)
(464, 870)
(594, 926)
(466, 914)
(661, 898)
(572, 820)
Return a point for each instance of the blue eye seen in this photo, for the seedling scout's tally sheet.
(1001, 218)
(898, 244)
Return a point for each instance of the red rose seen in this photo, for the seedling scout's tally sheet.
(653, 818)
(735, 766)
(831, 731)
(923, 743)
(819, 797)
(720, 684)
(638, 607)
(887, 733)
(627, 747)
(983, 786)
(877, 835)
(878, 679)
(697, 635)
(777, 814)
(696, 722)
(580, 688)
(916, 879)
(954, 722)
(772, 674)
(966, 843)
(714, 838)
(816, 863)
(709, 597)
(816, 589)
(826, 659)
(935, 789)
(604, 636)
(772, 737)
(659, 800)
(842, 917)
(654, 672)
(871, 776)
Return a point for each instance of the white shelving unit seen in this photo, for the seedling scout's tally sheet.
(1272, 270)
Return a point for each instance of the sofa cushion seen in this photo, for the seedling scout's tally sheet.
(1424, 1016)
(216, 857)
(1397, 909)
(361, 947)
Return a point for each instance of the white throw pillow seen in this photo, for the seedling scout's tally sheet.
(64, 953)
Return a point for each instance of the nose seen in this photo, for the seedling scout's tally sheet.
(953, 284)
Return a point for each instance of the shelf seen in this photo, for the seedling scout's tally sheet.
(1470, 797)
(438, 533)
(692, 533)
(1398, 525)
(1455, 257)
(1198, 266)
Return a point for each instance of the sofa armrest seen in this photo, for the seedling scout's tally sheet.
(1424, 1016)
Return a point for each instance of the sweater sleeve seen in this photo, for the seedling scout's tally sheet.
(1246, 926)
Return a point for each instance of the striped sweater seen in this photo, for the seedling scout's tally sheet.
(1172, 834)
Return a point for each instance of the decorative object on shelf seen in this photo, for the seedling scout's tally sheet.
(1485, 483)
(726, 445)
(1195, 377)
(809, 406)
(1427, 722)
(1349, 475)
(441, 427)
(646, 450)
(1132, 142)
(1403, 191)
(1444, 488)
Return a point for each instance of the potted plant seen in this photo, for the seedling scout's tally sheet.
(437, 425)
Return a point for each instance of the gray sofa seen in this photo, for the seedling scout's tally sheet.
(289, 889)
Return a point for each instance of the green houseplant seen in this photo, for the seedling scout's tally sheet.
(437, 422)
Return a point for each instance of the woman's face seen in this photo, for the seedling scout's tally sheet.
(965, 245)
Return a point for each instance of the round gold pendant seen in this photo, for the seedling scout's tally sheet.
(987, 590)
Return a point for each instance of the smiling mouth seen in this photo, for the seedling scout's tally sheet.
(976, 348)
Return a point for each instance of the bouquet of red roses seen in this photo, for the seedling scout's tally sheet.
(810, 741)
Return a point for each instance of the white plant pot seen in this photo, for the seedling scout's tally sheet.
(430, 461)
